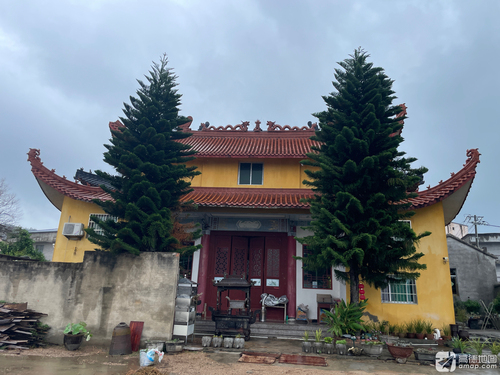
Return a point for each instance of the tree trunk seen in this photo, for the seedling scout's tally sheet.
(354, 286)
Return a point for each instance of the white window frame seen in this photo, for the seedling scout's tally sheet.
(251, 171)
(410, 292)
(102, 217)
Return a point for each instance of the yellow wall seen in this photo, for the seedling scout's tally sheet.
(278, 173)
(434, 296)
(74, 211)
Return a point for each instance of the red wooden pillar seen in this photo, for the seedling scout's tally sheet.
(203, 270)
(291, 287)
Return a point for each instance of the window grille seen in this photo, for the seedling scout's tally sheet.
(319, 279)
(102, 217)
(400, 291)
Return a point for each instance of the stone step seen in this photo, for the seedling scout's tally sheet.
(267, 329)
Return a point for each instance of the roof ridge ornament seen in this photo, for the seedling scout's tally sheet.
(272, 126)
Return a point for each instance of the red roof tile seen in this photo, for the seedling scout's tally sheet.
(445, 188)
(61, 184)
(249, 198)
(237, 142)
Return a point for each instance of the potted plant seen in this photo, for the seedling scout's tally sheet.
(317, 344)
(373, 348)
(346, 318)
(206, 341)
(429, 329)
(74, 335)
(458, 345)
(446, 332)
(341, 346)
(495, 348)
(400, 351)
(392, 329)
(306, 345)
(419, 328)
(228, 342)
(410, 329)
(328, 347)
(217, 341)
(401, 330)
(239, 342)
(477, 345)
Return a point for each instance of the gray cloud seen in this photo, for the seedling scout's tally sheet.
(67, 67)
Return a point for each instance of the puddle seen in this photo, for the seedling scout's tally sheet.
(88, 365)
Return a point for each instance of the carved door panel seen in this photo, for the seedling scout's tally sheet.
(219, 264)
(256, 272)
(239, 263)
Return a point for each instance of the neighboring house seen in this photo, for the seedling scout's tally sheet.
(473, 271)
(489, 242)
(457, 230)
(44, 240)
(249, 197)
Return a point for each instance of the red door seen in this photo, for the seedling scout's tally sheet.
(275, 272)
(262, 258)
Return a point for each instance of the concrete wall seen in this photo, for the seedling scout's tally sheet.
(489, 242)
(476, 272)
(103, 291)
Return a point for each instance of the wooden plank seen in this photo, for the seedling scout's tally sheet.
(257, 359)
(16, 306)
(6, 327)
(302, 360)
(23, 332)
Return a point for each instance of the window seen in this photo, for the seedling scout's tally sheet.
(319, 279)
(250, 174)
(400, 291)
(186, 262)
(454, 284)
(102, 217)
(39, 248)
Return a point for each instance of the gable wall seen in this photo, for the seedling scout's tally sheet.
(66, 250)
(435, 301)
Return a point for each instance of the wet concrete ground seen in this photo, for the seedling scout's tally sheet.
(214, 361)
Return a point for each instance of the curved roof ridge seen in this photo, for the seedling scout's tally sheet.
(445, 188)
(50, 183)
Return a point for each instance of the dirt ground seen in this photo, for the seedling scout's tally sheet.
(95, 360)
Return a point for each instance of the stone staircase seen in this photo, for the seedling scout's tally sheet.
(292, 330)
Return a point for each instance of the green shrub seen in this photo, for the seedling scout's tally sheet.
(477, 345)
(345, 318)
(472, 306)
(496, 305)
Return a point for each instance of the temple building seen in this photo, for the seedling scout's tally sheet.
(249, 206)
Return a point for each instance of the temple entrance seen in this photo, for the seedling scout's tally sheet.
(260, 256)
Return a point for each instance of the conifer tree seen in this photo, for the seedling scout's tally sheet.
(151, 175)
(362, 182)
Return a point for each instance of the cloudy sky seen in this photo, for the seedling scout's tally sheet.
(66, 67)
